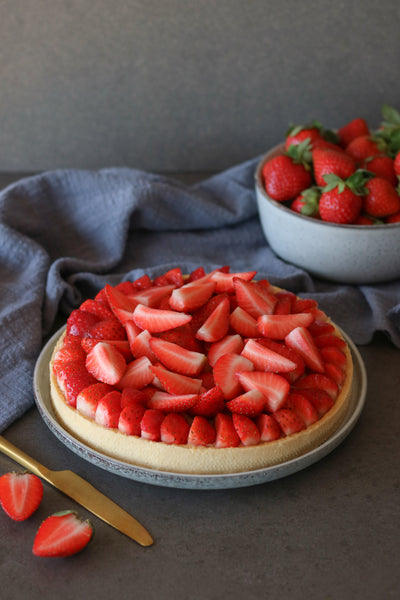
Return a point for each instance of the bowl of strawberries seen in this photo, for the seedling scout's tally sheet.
(329, 201)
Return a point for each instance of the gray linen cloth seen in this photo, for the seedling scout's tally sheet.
(65, 233)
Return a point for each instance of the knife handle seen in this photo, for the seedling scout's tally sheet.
(23, 459)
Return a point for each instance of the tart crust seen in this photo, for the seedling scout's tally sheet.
(199, 459)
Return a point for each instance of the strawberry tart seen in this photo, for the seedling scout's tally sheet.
(206, 373)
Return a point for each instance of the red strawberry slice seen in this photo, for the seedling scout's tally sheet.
(329, 339)
(62, 534)
(98, 308)
(230, 344)
(250, 403)
(106, 363)
(150, 426)
(191, 295)
(217, 324)
(120, 304)
(332, 354)
(282, 349)
(130, 418)
(320, 328)
(274, 388)
(121, 345)
(201, 432)
(268, 427)
(140, 346)
(265, 359)
(289, 421)
(246, 429)
(108, 409)
(176, 383)
(178, 359)
(152, 296)
(254, 298)
(321, 381)
(138, 374)
(224, 281)
(226, 435)
(20, 494)
(88, 398)
(277, 327)
(174, 403)
(320, 399)
(141, 283)
(303, 305)
(201, 314)
(196, 274)
(79, 322)
(66, 354)
(156, 320)
(72, 378)
(130, 396)
(301, 340)
(335, 373)
(242, 322)
(225, 370)
(303, 408)
(183, 336)
(107, 330)
(284, 303)
(174, 429)
(209, 403)
(174, 276)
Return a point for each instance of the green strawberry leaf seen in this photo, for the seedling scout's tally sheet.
(332, 182)
(391, 116)
(301, 153)
(356, 182)
(311, 197)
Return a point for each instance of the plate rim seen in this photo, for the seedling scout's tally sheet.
(192, 480)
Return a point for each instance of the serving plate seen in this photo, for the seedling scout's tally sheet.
(41, 385)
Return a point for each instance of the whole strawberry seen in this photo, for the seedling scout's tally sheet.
(381, 198)
(355, 128)
(287, 175)
(328, 161)
(364, 147)
(341, 200)
(381, 166)
(396, 164)
(300, 133)
(307, 202)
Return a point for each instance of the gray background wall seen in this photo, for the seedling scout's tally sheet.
(185, 85)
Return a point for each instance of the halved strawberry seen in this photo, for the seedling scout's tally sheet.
(230, 344)
(150, 425)
(20, 494)
(277, 327)
(274, 388)
(284, 303)
(120, 304)
(289, 421)
(320, 399)
(329, 339)
(62, 534)
(301, 340)
(292, 355)
(196, 274)
(303, 305)
(332, 354)
(174, 403)
(98, 308)
(130, 418)
(335, 373)
(107, 330)
(321, 381)
(79, 322)
(224, 281)
(217, 324)
(249, 403)
(268, 427)
(108, 409)
(254, 298)
(246, 429)
(201, 314)
(132, 396)
(265, 359)
(72, 378)
(226, 435)
(140, 346)
(302, 407)
(106, 363)
(174, 429)
(156, 320)
(152, 296)
(242, 322)
(201, 432)
(138, 374)
(71, 353)
(88, 398)
(173, 276)
(122, 346)
(183, 336)
(191, 295)
(178, 359)
(225, 370)
(209, 402)
(176, 383)
(320, 328)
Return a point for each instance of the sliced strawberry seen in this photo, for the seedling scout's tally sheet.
(196, 274)
(98, 308)
(253, 298)
(140, 346)
(268, 427)
(121, 345)
(20, 494)
(72, 353)
(150, 426)
(191, 296)
(62, 534)
(335, 373)
(108, 409)
(226, 435)
(265, 359)
(176, 383)
(79, 322)
(303, 305)
(174, 429)
(209, 403)
(183, 336)
(328, 339)
(289, 421)
(142, 283)
(301, 340)
(107, 330)
(178, 359)
(277, 327)
(130, 419)
(201, 314)
(132, 396)
(106, 363)
(217, 324)
(224, 281)
(152, 296)
(284, 303)
(274, 388)
(138, 374)
(320, 399)
(321, 381)
(249, 403)
(230, 344)
(88, 398)
(173, 276)
(303, 408)
(72, 378)
(292, 355)
(332, 354)
(225, 370)
(242, 322)
(320, 328)
(207, 379)
(174, 403)
(246, 429)
(120, 304)
(201, 432)
(156, 320)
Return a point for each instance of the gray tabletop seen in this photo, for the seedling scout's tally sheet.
(328, 531)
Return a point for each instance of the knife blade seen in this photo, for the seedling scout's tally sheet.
(83, 493)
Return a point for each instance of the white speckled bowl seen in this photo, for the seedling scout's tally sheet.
(352, 254)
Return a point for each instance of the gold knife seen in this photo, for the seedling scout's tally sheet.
(84, 493)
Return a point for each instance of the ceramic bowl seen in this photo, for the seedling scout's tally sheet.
(351, 254)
